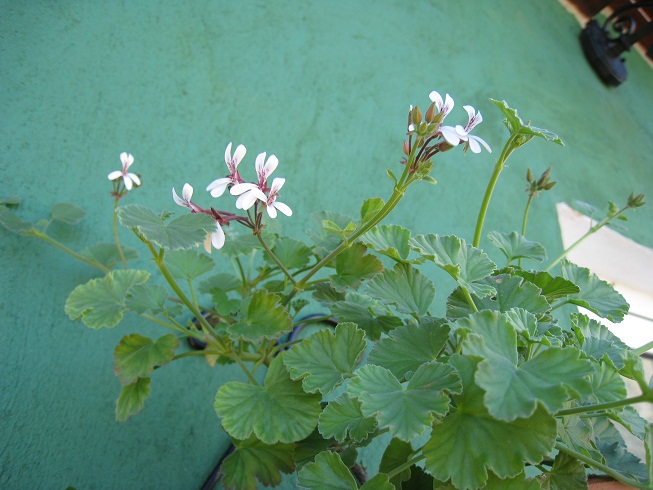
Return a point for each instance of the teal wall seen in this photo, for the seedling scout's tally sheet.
(323, 85)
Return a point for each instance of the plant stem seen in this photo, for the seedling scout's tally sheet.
(406, 465)
(275, 258)
(644, 397)
(646, 347)
(61, 246)
(469, 299)
(249, 374)
(505, 153)
(525, 220)
(605, 469)
(115, 234)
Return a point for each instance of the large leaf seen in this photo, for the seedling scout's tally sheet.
(278, 411)
(343, 418)
(390, 240)
(186, 231)
(406, 410)
(132, 399)
(597, 341)
(567, 472)
(265, 318)
(469, 441)
(514, 246)
(252, 460)
(326, 358)
(405, 287)
(292, 253)
(353, 266)
(101, 302)
(595, 295)
(366, 313)
(225, 282)
(514, 390)
(409, 346)
(465, 263)
(137, 356)
(327, 472)
(188, 264)
(552, 287)
(149, 297)
(65, 212)
(107, 254)
(511, 292)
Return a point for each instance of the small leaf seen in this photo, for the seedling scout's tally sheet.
(396, 454)
(108, 255)
(327, 472)
(379, 482)
(552, 287)
(514, 246)
(265, 318)
(516, 125)
(326, 358)
(132, 399)
(188, 264)
(595, 295)
(12, 222)
(10, 201)
(101, 302)
(252, 460)
(405, 287)
(366, 313)
(353, 266)
(137, 356)
(186, 231)
(241, 244)
(225, 282)
(324, 240)
(390, 240)
(407, 411)
(67, 213)
(370, 208)
(278, 411)
(343, 418)
(147, 297)
(292, 253)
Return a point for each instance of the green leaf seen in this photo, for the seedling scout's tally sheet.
(12, 222)
(512, 390)
(406, 410)
(101, 302)
(240, 244)
(225, 282)
(469, 441)
(326, 358)
(343, 418)
(370, 208)
(327, 472)
(390, 240)
(514, 246)
(148, 297)
(292, 253)
(379, 482)
(617, 456)
(595, 295)
(254, 460)
(137, 356)
(308, 448)
(265, 318)
(552, 287)
(465, 263)
(567, 472)
(409, 346)
(405, 287)
(188, 264)
(132, 399)
(396, 454)
(597, 341)
(67, 213)
(324, 240)
(607, 385)
(186, 231)
(10, 201)
(108, 255)
(278, 411)
(516, 125)
(353, 266)
(365, 312)
(511, 292)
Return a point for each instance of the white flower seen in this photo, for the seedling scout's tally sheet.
(272, 204)
(248, 192)
(215, 239)
(127, 177)
(454, 135)
(185, 200)
(445, 106)
(264, 169)
(218, 186)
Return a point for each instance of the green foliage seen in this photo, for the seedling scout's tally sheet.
(514, 246)
(353, 265)
(137, 356)
(188, 264)
(132, 398)
(107, 254)
(67, 213)
(405, 287)
(265, 318)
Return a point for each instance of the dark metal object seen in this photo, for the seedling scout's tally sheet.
(603, 51)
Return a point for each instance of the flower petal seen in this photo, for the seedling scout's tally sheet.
(127, 159)
(437, 98)
(135, 178)
(277, 184)
(218, 237)
(272, 212)
(238, 189)
(178, 199)
(270, 165)
(450, 135)
(481, 141)
(239, 154)
(114, 175)
(187, 192)
(227, 155)
(283, 208)
(218, 186)
(260, 163)
(127, 181)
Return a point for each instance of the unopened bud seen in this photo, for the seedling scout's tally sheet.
(417, 115)
(635, 201)
(529, 175)
(406, 147)
(544, 178)
(430, 113)
(549, 186)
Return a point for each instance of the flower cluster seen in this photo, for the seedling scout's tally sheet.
(128, 179)
(250, 194)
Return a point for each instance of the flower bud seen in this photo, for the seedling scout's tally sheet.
(529, 175)
(430, 113)
(416, 115)
(406, 148)
(636, 201)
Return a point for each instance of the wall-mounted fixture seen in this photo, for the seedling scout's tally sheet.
(603, 45)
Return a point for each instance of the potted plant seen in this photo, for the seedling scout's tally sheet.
(505, 391)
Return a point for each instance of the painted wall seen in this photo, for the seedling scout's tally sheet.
(323, 85)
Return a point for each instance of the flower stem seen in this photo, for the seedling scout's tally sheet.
(406, 465)
(115, 235)
(61, 246)
(644, 397)
(646, 347)
(525, 220)
(242, 366)
(275, 258)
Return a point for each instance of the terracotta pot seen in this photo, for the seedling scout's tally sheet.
(605, 483)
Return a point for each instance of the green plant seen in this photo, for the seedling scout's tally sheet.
(506, 391)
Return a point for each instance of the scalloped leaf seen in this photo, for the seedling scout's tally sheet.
(132, 399)
(343, 418)
(567, 472)
(325, 359)
(326, 472)
(514, 390)
(409, 346)
(405, 287)
(353, 266)
(108, 255)
(137, 356)
(67, 213)
(366, 313)
(101, 302)
(514, 246)
(396, 454)
(149, 297)
(244, 243)
(186, 231)
(188, 264)
(468, 442)
(552, 287)
(278, 411)
(253, 460)
(292, 253)
(595, 295)
(389, 240)
(516, 125)
(225, 282)
(597, 341)
(265, 318)
(406, 410)
(325, 241)
(370, 208)
(465, 263)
